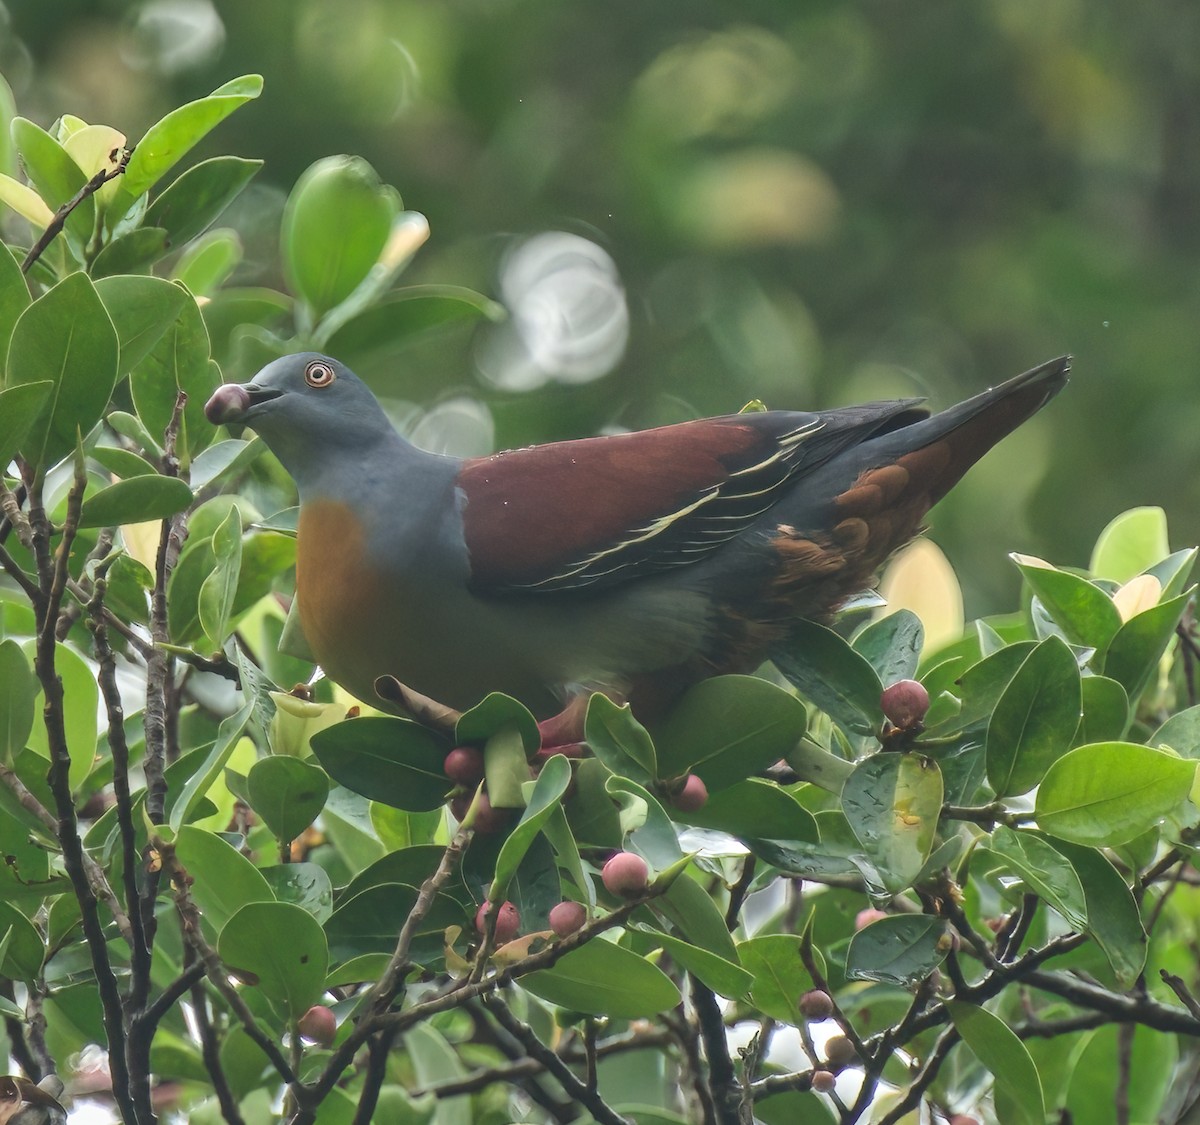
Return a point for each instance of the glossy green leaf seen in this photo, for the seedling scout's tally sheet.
(649, 831)
(135, 500)
(131, 253)
(780, 978)
(1108, 793)
(81, 698)
(1096, 1073)
(120, 462)
(18, 692)
(892, 803)
(1131, 543)
(892, 645)
(901, 949)
(142, 310)
(14, 295)
(1045, 870)
(695, 916)
(202, 780)
(395, 761)
(194, 201)
(724, 977)
(224, 879)
(590, 811)
(400, 317)
(304, 884)
(1181, 733)
(493, 713)
(370, 921)
(1083, 611)
(280, 949)
(56, 176)
(727, 728)
(1035, 719)
(20, 407)
(997, 1047)
(830, 674)
(1105, 710)
(1174, 571)
(335, 225)
(604, 979)
(287, 793)
(411, 866)
(208, 262)
(546, 796)
(22, 946)
(1112, 913)
(66, 334)
(754, 808)
(982, 684)
(1135, 651)
(619, 740)
(178, 361)
(168, 140)
(435, 1061)
(506, 768)
(215, 602)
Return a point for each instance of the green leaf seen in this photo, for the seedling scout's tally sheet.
(506, 768)
(892, 645)
(1045, 870)
(400, 317)
(999, 1051)
(1034, 720)
(1112, 914)
(335, 225)
(287, 793)
(281, 949)
(179, 361)
(982, 685)
(14, 294)
(168, 140)
(1181, 732)
(122, 463)
(780, 978)
(492, 714)
(1083, 611)
(19, 408)
(434, 1061)
(724, 977)
(208, 262)
(215, 603)
(650, 831)
(1105, 710)
(370, 921)
(1131, 543)
(304, 884)
(590, 811)
(224, 879)
(66, 334)
(604, 979)
(411, 866)
(21, 947)
(726, 728)
(1109, 793)
(830, 674)
(619, 740)
(202, 780)
(892, 803)
(142, 309)
(754, 808)
(18, 693)
(1096, 1073)
(394, 761)
(132, 253)
(135, 500)
(56, 177)
(1135, 651)
(81, 699)
(899, 949)
(194, 201)
(693, 913)
(546, 796)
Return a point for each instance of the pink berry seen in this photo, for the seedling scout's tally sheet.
(464, 766)
(567, 917)
(692, 797)
(905, 703)
(866, 917)
(626, 874)
(318, 1025)
(823, 1081)
(816, 1005)
(508, 921)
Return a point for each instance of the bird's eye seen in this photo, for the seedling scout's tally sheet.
(318, 374)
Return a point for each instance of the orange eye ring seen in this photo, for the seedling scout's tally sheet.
(318, 374)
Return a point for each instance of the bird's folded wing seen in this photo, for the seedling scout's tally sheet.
(588, 514)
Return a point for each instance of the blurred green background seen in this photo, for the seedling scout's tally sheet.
(807, 203)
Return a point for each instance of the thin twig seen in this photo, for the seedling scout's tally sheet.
(1180, 988)
(210, 1050)
(722, 1078)
(738, 892)
(378, 1048)
(914, 1093)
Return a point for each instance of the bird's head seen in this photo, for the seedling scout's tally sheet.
(303, 406)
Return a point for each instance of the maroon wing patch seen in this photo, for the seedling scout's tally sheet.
(590, 513)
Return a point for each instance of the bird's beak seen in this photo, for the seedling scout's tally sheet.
(233, 402)
(15, 1091)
